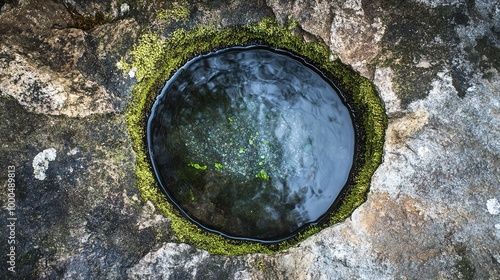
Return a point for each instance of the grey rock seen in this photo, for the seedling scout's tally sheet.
(350, 32)
(181, 261)
(85, 219)
(432, 211)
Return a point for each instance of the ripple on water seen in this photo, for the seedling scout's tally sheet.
(251, 142)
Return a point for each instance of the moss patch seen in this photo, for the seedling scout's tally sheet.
(156, 60)
(176, 12)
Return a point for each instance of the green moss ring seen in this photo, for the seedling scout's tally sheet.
(153, 69)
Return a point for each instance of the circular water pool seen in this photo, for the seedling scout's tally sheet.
(251, 142)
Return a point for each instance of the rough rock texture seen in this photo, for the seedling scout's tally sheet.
(432, 212)
(56, 58)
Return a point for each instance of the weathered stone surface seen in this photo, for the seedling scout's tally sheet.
(351, 33)
(181, 261)
(52, 63)
(84, 218)
(432, 211)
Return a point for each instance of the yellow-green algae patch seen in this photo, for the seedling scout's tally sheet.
(155, 60)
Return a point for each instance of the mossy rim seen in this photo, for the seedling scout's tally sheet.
(156, 60)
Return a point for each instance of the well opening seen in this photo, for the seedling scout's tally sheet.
(252, 143)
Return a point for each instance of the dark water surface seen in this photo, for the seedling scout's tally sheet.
(251, 142)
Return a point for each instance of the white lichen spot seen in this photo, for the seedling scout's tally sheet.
(132, 71)
(497, 226)
(73, 152)
(423, 64)
(471, 89)
(41, 162)
(124, 8)
(493, 206)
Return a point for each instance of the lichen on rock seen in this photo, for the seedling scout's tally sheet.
(41, 162)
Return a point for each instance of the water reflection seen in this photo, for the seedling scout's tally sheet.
(251, 142)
